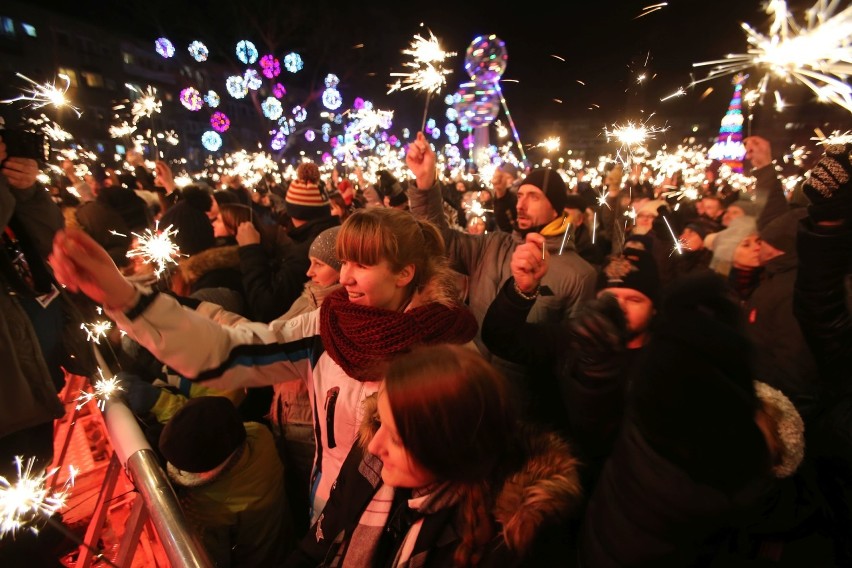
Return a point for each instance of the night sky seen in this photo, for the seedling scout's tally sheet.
(562, 62)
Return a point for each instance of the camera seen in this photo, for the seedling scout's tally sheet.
(23, 144)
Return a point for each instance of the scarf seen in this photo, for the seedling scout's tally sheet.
(386, 513)
(360, 338)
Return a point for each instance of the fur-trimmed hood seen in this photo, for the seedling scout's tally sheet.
(545, 491)
(215, 258)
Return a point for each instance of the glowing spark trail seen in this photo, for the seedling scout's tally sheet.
(24, 501)
(46, 94)
(817, 54)
(677, 246)
(146, 105)
(631, 136)
(156, 247)
(104, 388)
(95, 331)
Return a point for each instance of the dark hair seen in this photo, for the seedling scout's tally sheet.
(197, 197)
(338, 200)
(235, 213)
(224, 196)
(452, 410)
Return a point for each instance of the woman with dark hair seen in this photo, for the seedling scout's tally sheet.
(448, 477)
(397, 292)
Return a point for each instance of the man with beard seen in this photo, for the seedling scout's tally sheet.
(486, 259)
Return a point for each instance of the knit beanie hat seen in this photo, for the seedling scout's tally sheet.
(781, 231)
(694, 398)
(725, 242)
(633, 268)
(194, 229)
(575, 201)
(551, 184)
(324, 248)
(508, 168)
(700, 226)
(305, 200)
(202, 434)
(749, 207)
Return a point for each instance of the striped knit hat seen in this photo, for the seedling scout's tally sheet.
(305, 200)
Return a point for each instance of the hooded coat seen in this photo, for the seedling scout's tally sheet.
(533, 509)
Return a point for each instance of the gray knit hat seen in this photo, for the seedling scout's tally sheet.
(726, 241)
(323, 248)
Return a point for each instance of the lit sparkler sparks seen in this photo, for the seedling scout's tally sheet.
(679, 93)
(652, 8)
(156, 247)
(47, 94)
(817, 54)
(369, 120)
(550, 144)
(146, 105)
(24, 501)
(677, 246)
(103, 389)
(631, 136)
(428, 75)
(95, 331)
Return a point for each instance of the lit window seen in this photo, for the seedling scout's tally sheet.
(128, 58)
(94, 80)
(72, 75)
(29, 30)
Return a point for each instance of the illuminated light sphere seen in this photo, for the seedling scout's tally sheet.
(236, 86)
(270, 66)
(326, 128)
(246, 52)
(279, 139)
(220, 121)
(450, 129)
(211, 140)
(430, 124)
(364, 139)
(164, 47)
(272, 108)
(325, 138)
(198, 51)
(477, 104)
(278, 90)
(453, 138)
(191, 99)
(448, 100)
(331, 99)
(393, 140)
(310, 135)
(293, 62)
(485, 58)
(406, 133)
(252, 79)
(331, 81)
(299, 113)
(436, 133)
(212, 99)
(335, 142)
(326, 157)
(452, 114)
(338, 119)
(285, 126)
(468, 142)
(358, 103)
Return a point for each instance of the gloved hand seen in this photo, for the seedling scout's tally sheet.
(140, 395)
(829, 186)
(598, 335)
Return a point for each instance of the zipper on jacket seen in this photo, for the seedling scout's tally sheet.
(330, 403)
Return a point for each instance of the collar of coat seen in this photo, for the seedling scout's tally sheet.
(208, 260)
(545, 491)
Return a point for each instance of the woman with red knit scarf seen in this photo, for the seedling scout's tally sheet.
(397, 292)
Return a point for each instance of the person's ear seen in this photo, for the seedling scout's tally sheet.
(405, 276)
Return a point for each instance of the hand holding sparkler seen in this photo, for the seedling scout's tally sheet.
(20, 172)
(83, 265)
(529, 263)
(421, 160)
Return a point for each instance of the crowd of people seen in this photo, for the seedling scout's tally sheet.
(335, 372)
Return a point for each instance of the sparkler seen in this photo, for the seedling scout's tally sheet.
(47, 94)
(103, 389)
(631, 136)
(550, 144)
(817, 54)
(564, 237)
(677, 245)
(24, 501)
(156, 247)
(428, 75)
